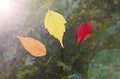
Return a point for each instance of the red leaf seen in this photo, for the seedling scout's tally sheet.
(84, 32)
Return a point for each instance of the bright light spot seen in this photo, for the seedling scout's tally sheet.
(6, 7)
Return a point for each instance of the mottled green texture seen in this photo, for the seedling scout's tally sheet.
(105, 65)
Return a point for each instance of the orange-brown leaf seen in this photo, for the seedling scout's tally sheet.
(34, 47)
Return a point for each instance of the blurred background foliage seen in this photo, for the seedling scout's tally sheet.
(74, 61)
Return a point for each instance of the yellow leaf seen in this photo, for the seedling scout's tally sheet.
(55, 24)
(34, 47)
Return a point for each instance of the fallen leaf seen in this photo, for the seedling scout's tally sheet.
(34, 47)
(55, 24)
(84, 32)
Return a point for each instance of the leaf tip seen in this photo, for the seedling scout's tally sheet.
(18, 37)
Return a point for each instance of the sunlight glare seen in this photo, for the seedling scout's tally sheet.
(6, 7)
